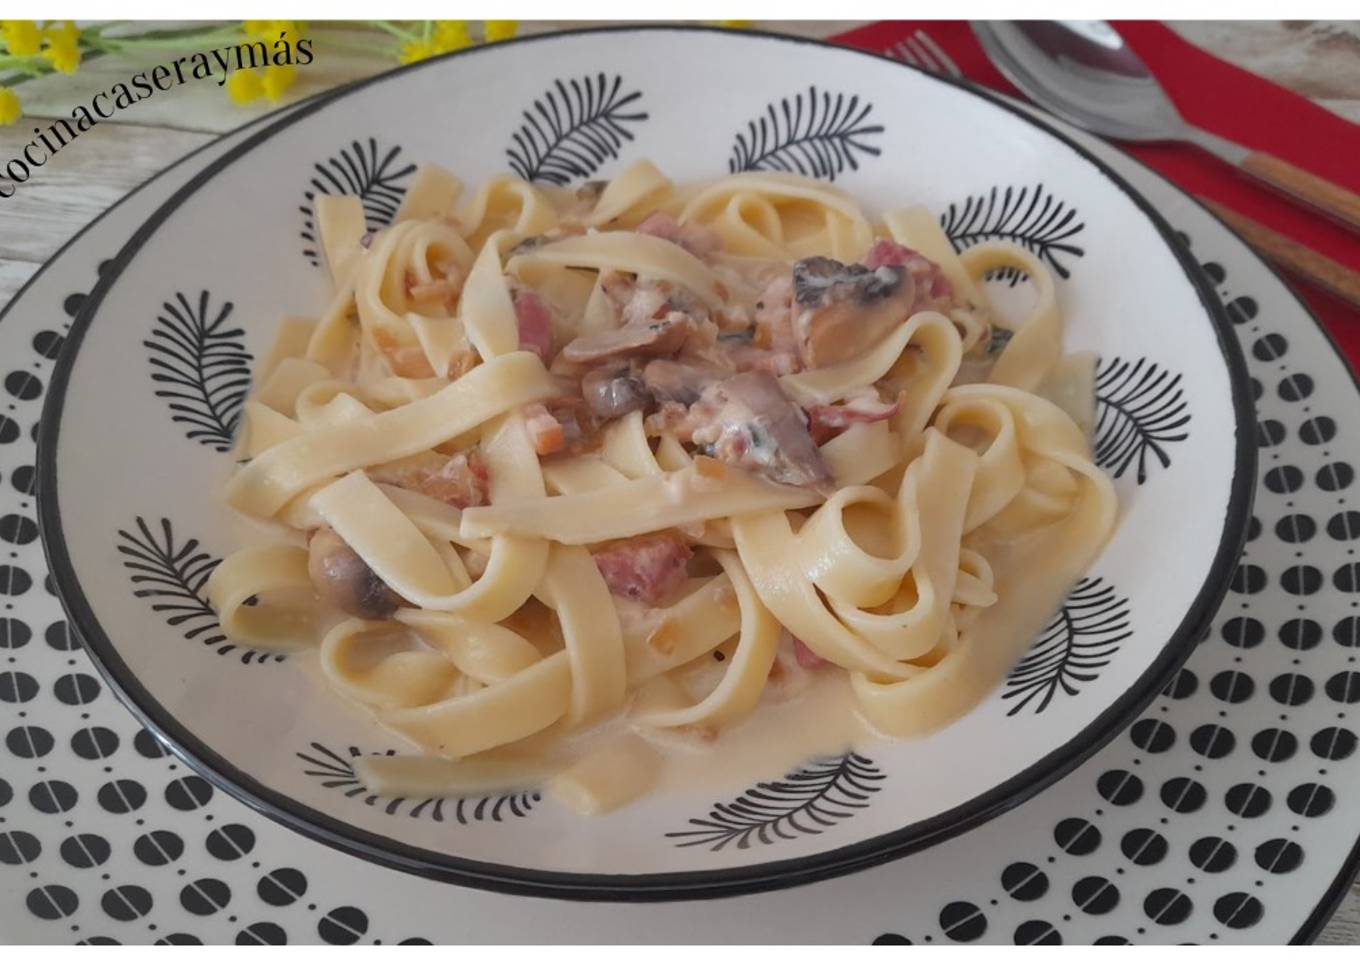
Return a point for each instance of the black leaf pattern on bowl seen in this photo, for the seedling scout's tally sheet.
(815, 135)
(1140, 409)
(336, 772)
(202, 368)
(172, 576)
(573, 128)
(1030, 217)
(376, 177)
(810, 800)
(1077, 643)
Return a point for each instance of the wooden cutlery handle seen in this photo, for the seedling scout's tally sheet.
(1330, 199)
(1288, 253)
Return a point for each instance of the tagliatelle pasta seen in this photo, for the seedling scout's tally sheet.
(582, 486)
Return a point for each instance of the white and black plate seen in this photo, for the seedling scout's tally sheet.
(135, 438)
(1228, 812)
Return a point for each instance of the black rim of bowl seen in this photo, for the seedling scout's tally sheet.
(683, 885)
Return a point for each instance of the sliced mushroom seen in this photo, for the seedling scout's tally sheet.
(345, 581)
(460, 480)
(533, 242)
(590, 191)
(527, 246)
(613, 391)
(674, 381)
(844, 310)
(662, 336)
(757, 427)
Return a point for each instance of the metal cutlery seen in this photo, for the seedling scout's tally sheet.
(1085, 73)
(919, 50)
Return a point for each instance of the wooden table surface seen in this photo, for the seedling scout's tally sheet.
(1318, 59)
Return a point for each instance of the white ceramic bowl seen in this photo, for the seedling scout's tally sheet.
(146, 396)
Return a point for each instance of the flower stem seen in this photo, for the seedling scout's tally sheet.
(26, 71)
(36, 68)
(178, 41)
(99, 28)
(392, 28)
(335, 41)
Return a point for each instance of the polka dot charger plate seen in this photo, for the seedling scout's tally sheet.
(1225, 813)
(135, 448)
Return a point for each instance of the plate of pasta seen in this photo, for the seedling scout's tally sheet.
(640, 484)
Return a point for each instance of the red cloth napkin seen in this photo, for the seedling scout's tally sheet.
(1228, 101)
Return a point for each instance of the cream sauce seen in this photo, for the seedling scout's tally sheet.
(804, 713)
(810, 713)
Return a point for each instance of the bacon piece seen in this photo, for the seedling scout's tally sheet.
(645, 568)
(887, 252)
(462, 480)
(580, 428)
(561, 426)
(748, 421)
(462, 361)
(660, 225)
(546, 431)
(440, 293)
(933, 289)
(806, 658)
(534, 322)
(825, 422)
(697, 240)
(405, 361)
(708, 468)
(410, 362)
(774, 315)
(440, 289)
(672, 418)
(791, 671)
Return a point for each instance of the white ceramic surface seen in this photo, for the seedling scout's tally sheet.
(237, 237)
(51, 892)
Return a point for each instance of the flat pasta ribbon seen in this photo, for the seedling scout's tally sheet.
(507, 635)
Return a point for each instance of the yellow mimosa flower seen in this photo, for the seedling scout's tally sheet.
(63, 46)
(451, 35)
(276, 80)
(244, 86)
(61, 31)
(417, 50)
(10, 109)
(501, 30)
(270, 29)
(22, 37)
